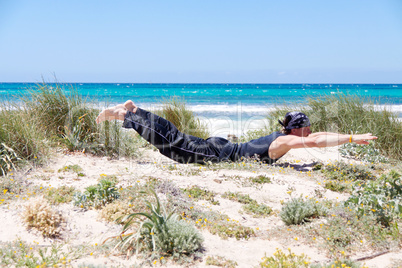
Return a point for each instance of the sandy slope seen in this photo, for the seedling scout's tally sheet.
(85, 226)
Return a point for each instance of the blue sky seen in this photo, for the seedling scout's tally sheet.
(201, 41)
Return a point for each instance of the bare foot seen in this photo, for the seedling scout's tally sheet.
(113, 113)
(129, 105)
(117, 112)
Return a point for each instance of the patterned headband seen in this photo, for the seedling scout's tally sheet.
(295, 120)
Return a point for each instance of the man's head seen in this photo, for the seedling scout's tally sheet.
(296, 123)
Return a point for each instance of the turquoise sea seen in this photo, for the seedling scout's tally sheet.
(238, 106)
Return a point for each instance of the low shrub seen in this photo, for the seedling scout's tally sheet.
(367, 153)
(342, 171)
(39, 215)
(97, 195)
(298, 210)
(381, 198)
(175, 238)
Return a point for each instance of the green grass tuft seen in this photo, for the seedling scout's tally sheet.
(175, 111)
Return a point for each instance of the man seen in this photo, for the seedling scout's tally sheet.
(185, 148)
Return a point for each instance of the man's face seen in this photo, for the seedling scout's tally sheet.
(301, 132)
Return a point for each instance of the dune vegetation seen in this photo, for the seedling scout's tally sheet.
(162, 221)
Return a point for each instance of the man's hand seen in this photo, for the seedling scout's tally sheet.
(363, 138)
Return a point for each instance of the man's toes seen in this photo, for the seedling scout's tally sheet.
(129, 105)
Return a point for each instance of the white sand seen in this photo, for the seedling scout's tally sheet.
(84, 227)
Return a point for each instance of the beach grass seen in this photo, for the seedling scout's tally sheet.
(21, 131)
(175, 111)
(351, 114)
(51, 106)
(51, 117)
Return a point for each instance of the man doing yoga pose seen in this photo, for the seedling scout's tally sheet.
(185, 148)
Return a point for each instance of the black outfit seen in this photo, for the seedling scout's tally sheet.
(185, 148)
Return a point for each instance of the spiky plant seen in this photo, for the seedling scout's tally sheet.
(158, 232)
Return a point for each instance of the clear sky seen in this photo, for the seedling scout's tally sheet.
(201, 41)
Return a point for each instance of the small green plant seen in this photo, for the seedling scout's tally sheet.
(261, 179)
(63, 194)
(97, 195)
(159, 232)
(220, 262)
(382, 198)
(250, 206)
(71, 168)
(257, 210)
(39, 215)
(298, 210)
(282, 260)
(197, 193)
(367, 153)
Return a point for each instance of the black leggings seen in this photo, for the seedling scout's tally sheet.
(174, 144)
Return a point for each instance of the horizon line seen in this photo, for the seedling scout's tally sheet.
(206, 83)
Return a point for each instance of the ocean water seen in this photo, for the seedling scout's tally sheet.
(225, 108)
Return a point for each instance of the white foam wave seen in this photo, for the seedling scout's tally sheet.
(393, 108)
(223, 126)
(233, 109)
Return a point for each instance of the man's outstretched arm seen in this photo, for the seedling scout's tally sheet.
(322, 139)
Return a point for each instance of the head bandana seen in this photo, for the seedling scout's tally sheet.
(297, 120)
